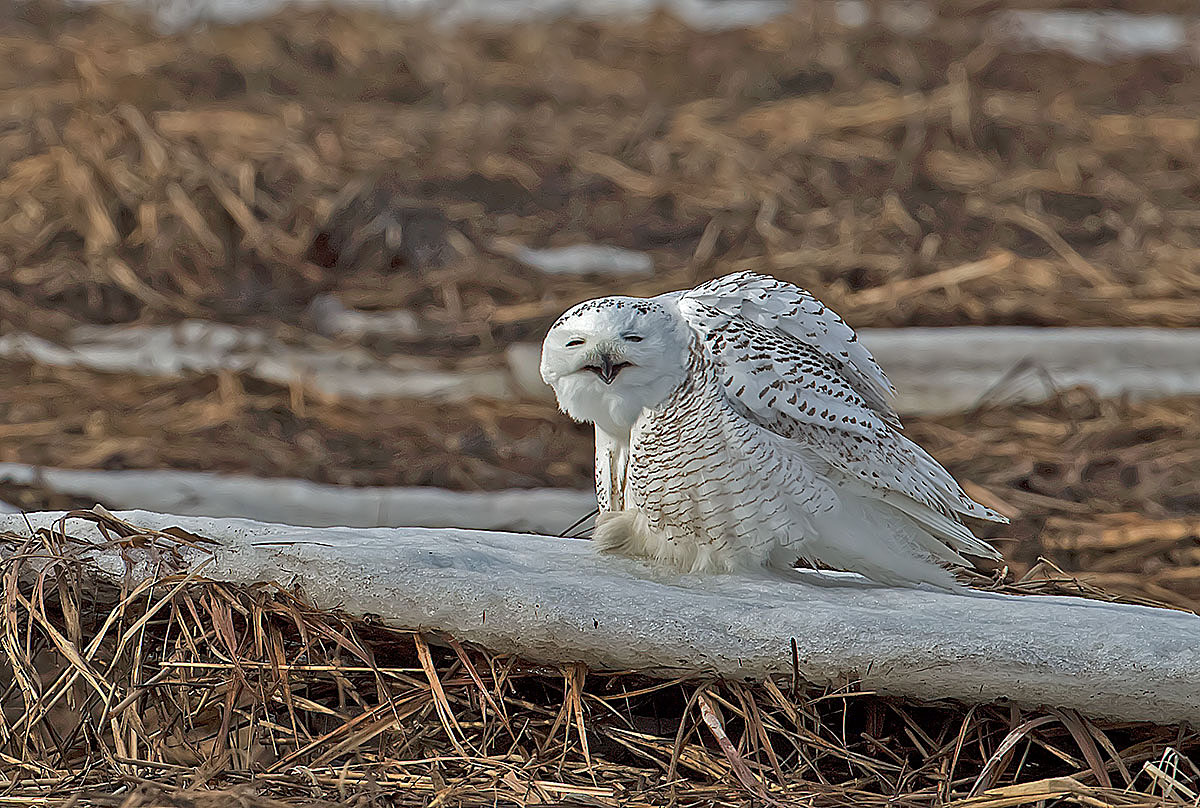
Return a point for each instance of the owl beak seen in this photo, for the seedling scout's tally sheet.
(605, 368)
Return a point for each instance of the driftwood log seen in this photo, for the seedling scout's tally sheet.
(556, 600)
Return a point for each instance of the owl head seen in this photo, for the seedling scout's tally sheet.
(609, 359)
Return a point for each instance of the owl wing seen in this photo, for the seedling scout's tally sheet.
(811, 392)
(779, 306)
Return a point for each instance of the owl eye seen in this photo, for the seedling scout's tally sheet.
(574, 343)
(631, 338)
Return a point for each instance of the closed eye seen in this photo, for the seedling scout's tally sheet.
(631, 338)
(574, 343)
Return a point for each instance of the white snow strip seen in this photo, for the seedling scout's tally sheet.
(299, 502)
(332, 319)
(903, 17)
(557, 600)
(205, 347)
(944, 370)
(583, 259)
(1100, 36)
(935, 370)
(173, 15)
(8, 508)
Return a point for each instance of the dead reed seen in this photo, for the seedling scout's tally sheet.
(933, 179)
(180, 691)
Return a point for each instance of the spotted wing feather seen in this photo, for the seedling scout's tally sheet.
(803, 391)
(780, 306)
(771, 374)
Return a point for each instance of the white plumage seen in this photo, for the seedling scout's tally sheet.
(742, 424)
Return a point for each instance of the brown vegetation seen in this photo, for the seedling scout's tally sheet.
(235, 173)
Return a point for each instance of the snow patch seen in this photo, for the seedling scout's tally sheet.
(944, 370)
(1100, 36)
(332, 319)
(935, 370)
(299, 502)
(195, 346)
(581, 259)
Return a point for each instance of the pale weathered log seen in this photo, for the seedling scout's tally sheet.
(300, 502)
(557, 601)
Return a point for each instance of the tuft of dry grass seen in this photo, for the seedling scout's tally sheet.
(179, 691)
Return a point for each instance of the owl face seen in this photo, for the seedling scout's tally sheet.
(611, 358)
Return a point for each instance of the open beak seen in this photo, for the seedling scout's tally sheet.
(605, 368)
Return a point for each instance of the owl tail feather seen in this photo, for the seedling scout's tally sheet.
(877, 540)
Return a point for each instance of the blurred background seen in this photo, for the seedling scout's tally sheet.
(322, 244)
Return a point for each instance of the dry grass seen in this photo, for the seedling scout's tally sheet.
(932, 180)
(187, 692)
(61, 417)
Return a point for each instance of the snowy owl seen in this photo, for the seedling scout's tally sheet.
(742, 425)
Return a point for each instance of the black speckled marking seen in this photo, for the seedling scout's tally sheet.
(634, 304)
